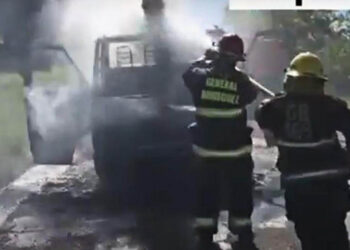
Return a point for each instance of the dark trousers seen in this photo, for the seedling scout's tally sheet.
(318, 212)
(226, 184)
(161, 195)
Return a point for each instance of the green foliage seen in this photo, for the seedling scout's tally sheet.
(339, 56)
(326, 33)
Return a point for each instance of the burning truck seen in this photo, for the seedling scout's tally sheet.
(139, 107)
(136, 81)
(140, 114)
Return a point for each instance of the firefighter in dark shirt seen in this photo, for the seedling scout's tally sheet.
(314, 167)
(221, 143)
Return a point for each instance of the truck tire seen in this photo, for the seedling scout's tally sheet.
(111, 163)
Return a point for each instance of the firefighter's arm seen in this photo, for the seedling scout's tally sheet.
(265, 116)
(269, 138)
(189, 78)
(342, 122)
(193, 74)
(248, 92)
(199, 66)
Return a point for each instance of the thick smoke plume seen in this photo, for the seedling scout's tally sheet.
(86, 20)
(64, 112)
(60, 111)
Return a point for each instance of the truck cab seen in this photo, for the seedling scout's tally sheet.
(140, 114)
(135, 65)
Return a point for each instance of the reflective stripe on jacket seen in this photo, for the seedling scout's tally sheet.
(320, 143)
(218, 113)
(203, 152)
(204, 222)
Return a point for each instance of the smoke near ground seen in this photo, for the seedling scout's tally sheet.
(62, 111)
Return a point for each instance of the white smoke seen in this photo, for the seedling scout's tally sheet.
(186, 35)
(63, 111)
(59, 111)
(85, 21)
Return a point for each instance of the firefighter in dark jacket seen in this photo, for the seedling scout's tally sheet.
(221, 142)
(303, 122)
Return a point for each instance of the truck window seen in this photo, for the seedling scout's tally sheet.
(134, 54)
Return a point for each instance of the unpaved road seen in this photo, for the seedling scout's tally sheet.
(62, 207)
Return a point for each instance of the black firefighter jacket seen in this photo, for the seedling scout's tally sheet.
(305, 127)
(221, 117)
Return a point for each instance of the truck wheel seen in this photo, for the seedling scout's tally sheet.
(112, 167)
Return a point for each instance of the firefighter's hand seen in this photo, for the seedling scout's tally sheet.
(269, 138)
(211, 54)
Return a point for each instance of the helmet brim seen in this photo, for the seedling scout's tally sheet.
(238, 58)
(295, 73)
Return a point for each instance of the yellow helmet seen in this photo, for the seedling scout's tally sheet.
(306, 64)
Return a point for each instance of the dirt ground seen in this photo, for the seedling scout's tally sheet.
(62, 207)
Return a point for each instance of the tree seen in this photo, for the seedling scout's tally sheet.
(326, 33)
